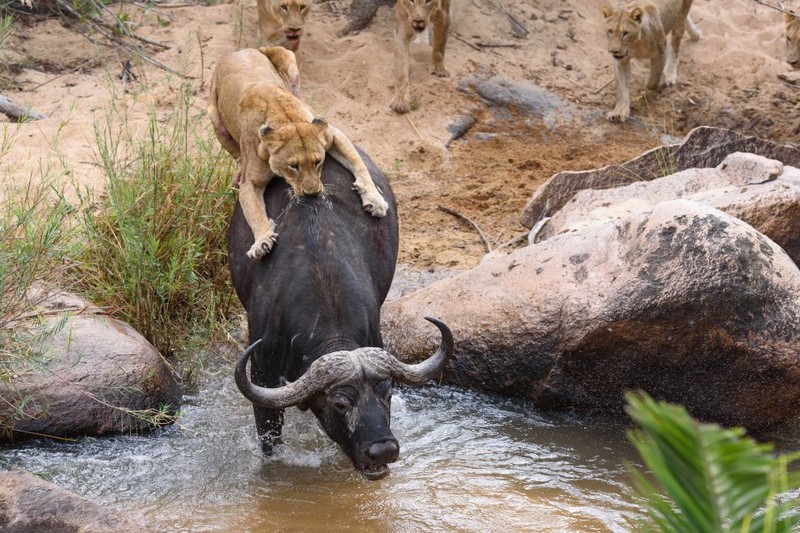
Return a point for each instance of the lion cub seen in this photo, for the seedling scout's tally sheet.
(282, 22)
(257, 119)
(639, 29)
(411, 19)
(792, 39)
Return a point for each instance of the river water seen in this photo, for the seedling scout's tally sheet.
(468, 462)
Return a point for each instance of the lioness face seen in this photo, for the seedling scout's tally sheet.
(419, 12)
(292, 16)
(792, 39)
(622, 26)
(296, 153)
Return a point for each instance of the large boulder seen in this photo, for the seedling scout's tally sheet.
(94, 375)
(703, 147)
(680, 300)
(760, 191)
(29, 504)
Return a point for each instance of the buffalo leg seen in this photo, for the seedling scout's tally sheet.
(269, 423)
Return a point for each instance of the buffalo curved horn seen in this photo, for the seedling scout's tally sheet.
(320, 375)
(419, 373)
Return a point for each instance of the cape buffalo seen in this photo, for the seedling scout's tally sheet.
(313, 306)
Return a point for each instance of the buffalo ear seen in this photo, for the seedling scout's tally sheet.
(608, 12)
(636, 14)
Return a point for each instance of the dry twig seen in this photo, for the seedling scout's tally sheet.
(474, 225)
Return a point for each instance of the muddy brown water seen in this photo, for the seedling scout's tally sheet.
(468, 462)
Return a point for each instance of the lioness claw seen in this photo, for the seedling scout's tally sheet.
(262, 246)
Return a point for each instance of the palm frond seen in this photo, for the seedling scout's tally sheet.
(707, 479)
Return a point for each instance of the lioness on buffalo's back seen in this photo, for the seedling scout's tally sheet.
(639, 30)
(258, 119)
(313, 313)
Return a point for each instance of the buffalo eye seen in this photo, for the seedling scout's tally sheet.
(383, 389)
(341, 404)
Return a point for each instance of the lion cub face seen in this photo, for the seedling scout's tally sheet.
(792, 39)
(418, 12)
(291, 14)
(622, 27)
(296, 152)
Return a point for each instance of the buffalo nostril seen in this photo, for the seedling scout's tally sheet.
(384, 452)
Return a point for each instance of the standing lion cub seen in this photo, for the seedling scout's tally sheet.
(639, 30)
(257, 119)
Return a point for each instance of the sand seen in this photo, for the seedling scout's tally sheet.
(730, 78)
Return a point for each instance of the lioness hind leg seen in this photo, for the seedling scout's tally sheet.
(224, 136)
(286, 64)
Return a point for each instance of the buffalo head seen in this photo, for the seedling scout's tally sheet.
(350, 393)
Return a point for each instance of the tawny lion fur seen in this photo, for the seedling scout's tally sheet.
(412, 17)
(792, 32)
(282, 22)
(258, 120)
(639, 30)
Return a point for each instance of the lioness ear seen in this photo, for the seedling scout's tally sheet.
(636, 14)
(264, 131)
(607, 11)
(322, 126)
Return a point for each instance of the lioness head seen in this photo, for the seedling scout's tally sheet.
(792, 39)
(622, 26)
(292, 16)
(418, 12)
(296, 152)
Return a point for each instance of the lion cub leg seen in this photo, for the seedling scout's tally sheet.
(622, 75)
(342, 150)
(441, 28)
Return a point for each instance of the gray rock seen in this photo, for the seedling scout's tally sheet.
(703, 147)
(94, 374)
(30, 505)
(760, 191)
(680, 300)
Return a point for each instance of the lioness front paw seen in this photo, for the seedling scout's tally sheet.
(373, 203)
(262, 246)
(617, 115)
(440, 72)
(400, 106)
